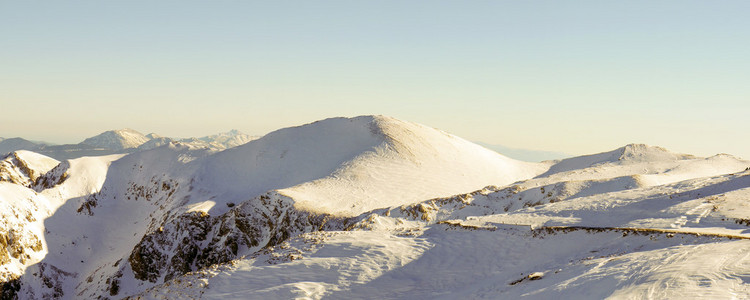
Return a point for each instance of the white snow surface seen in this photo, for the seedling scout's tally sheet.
(425, 214)
(229, 139)
(639, 226)
(117, 139)
(348, 166)
(39, 163)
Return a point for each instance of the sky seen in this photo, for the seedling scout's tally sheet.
(572, 76)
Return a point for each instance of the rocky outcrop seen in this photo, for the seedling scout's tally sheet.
(9, 288)
(19, 247)
(52, 178)
(18, 244)
(196, 240)
(15, 170)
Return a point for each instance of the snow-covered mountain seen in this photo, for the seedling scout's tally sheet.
(14, 144)
(348, 166)
(117, 139)
(638, 222)
(121, 142)
(219, 141)
(372, 207)
(229, 139)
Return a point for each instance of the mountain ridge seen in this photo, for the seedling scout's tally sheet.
(121, 141)
(346, 207)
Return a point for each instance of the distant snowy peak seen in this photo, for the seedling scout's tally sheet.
(642, 152)
(345, 166)
(629, 154)
(219, 141)
(232, 138)
(117, 139)
(155, 143)
(13, 144)
(197, 143)
(153, 136)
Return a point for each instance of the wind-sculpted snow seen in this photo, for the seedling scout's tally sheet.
(372, 207)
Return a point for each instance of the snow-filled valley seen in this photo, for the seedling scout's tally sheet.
(369, 208)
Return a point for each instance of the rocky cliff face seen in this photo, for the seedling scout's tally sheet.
(24, 167)
(20, 239)
(196, 240)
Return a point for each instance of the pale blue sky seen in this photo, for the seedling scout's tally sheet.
(572, 76)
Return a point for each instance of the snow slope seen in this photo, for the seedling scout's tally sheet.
(25, 234)
(604, 226)
(347, 166)
(446, 263)
(374, 207)
(289, 182)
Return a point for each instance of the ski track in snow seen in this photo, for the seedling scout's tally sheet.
(696, 213)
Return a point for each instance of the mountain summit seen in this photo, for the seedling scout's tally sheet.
(350, 165)
(232, 138)
(117, 139)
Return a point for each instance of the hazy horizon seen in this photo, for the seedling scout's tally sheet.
(575, 77)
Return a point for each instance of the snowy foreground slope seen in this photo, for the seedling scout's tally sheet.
(635, 223)
(369, 208)
(113, 226)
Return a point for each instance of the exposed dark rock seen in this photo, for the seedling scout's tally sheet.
(196, 240)
(52, 178)
(9, 289)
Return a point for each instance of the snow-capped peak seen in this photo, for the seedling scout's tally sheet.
(232, 138)
(348, 165)
(153, 136)
(629, 154)
(117, 139)
(643, 152)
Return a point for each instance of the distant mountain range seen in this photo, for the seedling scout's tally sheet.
(122, 141)
(128, 140)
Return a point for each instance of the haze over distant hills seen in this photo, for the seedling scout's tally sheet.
(369, 207)
(525, 154)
